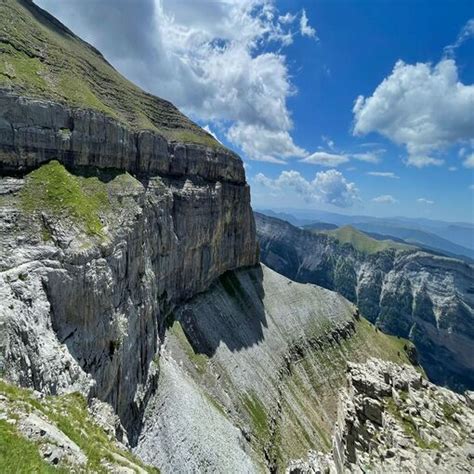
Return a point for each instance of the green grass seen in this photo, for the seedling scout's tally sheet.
(18, 455)
(53, 189)
(39, 58)
(69, 413)
(362, 242)
(449, 411)
(258, 416)
(199, 360)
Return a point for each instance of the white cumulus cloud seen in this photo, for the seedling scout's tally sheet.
(423, 107)
(328, 187)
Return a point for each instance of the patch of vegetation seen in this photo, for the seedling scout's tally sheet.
(258, 416)
(362, 242)
(40, 58)
(20, 455)
(46, 235)
(449, 411)
(409, 426)
(199, 360)
(69, 413)
(53, 189)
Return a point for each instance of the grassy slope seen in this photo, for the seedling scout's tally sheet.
(362, 242)
(40, 58)
(69, 413)
(86, 202)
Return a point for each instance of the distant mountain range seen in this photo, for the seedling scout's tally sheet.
(455, 239)
(404, 290)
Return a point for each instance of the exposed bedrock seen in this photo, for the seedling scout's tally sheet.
(82, 311)
(426, 298)
(391, 419)
(34, 131)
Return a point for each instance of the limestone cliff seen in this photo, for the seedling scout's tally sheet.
(106, 222)
(424, 297)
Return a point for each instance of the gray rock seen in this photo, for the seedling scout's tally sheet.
(35, 131)
(55, 446)
(398, 441)
(81, 314)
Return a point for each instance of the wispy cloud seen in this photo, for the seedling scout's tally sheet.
(305, 28)
(326, 159)
(369, 157)
(429, 202)
(466, 33)
(385, 199)
(384, 174)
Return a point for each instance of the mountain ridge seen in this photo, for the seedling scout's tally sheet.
(410, 293)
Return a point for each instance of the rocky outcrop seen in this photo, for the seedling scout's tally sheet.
(393, 420)
(59, 433)
(426, 298)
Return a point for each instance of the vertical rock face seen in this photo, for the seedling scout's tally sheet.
(34, 131)
(82, 310)
(424, 297)
(114, 208)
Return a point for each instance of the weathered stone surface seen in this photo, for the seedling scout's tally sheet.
(35, 131)
(56, 446)
(409, 293)
(418, 428)
(82, 313)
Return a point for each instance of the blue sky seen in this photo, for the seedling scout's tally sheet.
(277, 81)
(359, 44)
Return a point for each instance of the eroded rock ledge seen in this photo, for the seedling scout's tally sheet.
(34, 131)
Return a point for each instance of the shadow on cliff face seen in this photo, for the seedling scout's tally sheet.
(231, 313)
